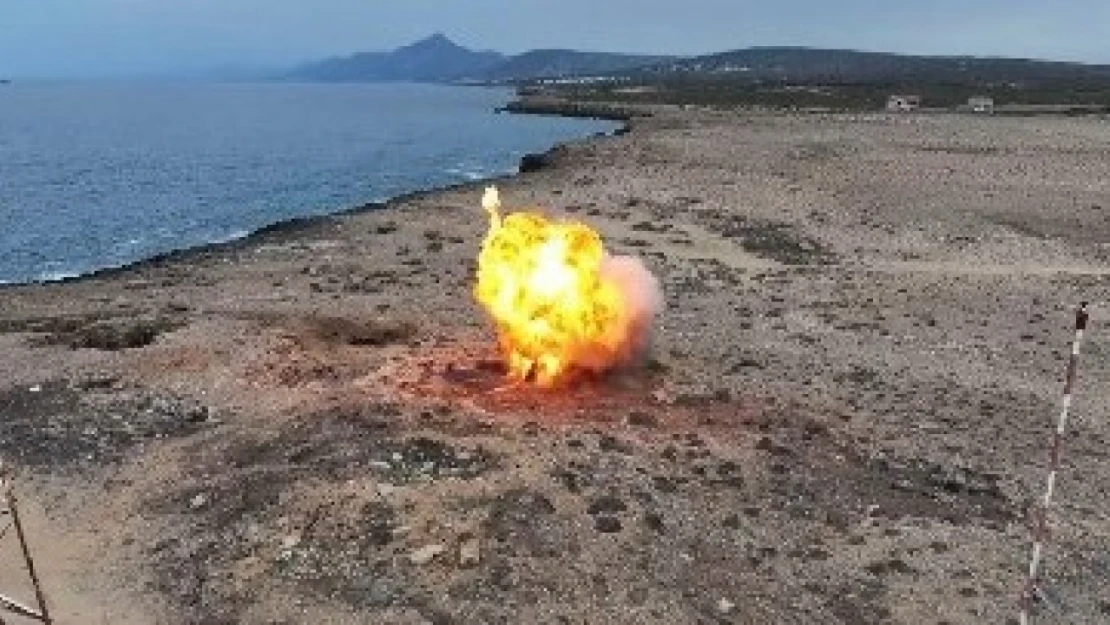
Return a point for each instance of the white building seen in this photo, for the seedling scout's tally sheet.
(903, 103)
(981, 104)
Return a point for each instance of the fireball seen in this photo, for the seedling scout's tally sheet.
(560, 303)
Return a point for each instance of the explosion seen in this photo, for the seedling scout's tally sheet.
(561, 304)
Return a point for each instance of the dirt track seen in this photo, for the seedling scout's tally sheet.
(845, 419)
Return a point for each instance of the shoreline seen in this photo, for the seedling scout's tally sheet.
(290, 226)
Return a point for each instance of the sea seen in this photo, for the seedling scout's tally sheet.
(101, 174)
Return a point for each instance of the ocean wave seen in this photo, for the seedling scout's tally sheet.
(235, 235)
(56, 276)
(70, 274)
(468, 173)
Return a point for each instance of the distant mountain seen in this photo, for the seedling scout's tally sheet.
(563, 63)
(434, 59)
(793, 64)
(438, 59)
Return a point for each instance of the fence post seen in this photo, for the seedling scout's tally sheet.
(1040, 515)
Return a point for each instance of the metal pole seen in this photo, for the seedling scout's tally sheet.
(1040, 516)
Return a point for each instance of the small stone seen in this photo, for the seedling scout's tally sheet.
(724, 606)
(609, 443)
(469, 552)
(35, 389)
(606, 504)
(198, 414)
(198, 502)
(426, 554)
(903, 484)
(642, 420)
(607, 524)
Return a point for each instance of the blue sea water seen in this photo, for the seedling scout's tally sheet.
(94, 175)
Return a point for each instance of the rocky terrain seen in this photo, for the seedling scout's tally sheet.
(844, 421)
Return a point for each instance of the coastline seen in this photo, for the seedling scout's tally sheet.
(310, 424)
(293, 225)
(561, 107)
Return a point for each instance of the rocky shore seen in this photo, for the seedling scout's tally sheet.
(845, 419)
(562, 107)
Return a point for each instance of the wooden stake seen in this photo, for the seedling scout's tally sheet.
(42, 614)
(40, 597)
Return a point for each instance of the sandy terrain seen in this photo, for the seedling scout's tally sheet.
(845, 420)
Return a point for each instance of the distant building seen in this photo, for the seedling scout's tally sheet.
(903, 103)
(981, 104)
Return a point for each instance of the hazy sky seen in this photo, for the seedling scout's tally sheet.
(54, 38)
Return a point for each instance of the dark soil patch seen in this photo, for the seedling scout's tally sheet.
(94, 331)
(779, 242)
(1068, 227)
(341, 443)
(812, 470)
(57, 427)
(893, 488)
(357, 332)
(347, 548)
(517, 519)
(362, 333)
(965, 150)
(859, 603)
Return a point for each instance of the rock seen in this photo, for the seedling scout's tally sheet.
(606, 504)
(533, 162)
(609, 443)
(198, 414)
(642, 419)
(607, 524)
(426, 554)
(904, 484)
(469, 552)
(198, 502)
(724, 606)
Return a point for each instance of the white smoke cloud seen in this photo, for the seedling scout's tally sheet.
(643, 302)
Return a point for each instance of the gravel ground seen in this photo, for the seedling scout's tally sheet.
(844, 421)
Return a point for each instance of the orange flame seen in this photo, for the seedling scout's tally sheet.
(542, 283)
